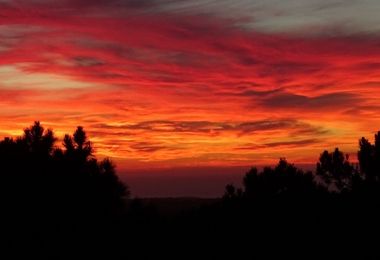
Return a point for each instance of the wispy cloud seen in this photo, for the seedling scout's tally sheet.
(164, 80)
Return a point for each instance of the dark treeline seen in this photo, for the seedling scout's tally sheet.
(53, 199)
(64, 203)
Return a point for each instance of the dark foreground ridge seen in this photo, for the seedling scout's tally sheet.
(63, 204)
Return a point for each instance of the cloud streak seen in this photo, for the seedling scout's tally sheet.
(184, 82)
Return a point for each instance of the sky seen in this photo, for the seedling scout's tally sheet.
(189, 84)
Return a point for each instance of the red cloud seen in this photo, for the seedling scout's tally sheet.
(151, 66)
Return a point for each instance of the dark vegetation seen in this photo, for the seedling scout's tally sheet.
(63, 203)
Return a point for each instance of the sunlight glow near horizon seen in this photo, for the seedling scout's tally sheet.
(180, 83)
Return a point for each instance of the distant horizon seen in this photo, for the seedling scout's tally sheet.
(189, 182)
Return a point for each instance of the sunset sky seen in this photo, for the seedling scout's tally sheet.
(188, 83)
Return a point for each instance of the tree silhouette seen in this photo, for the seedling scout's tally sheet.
(47, 178)
(111, 184)
(83, 146)
(58, 199)
(30, 153)
(335, 168)
(8, 154)
(251, 182)
(68, 143)
(39, 141)
(369, 158)
(232, 192)
(78, 145)
(285, 178)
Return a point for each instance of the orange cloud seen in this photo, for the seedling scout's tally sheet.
(163, 88)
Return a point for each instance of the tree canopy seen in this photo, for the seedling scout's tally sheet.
(71, 178)
(336, 173)
(63, 199)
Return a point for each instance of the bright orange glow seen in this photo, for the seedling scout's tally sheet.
(166, 89)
